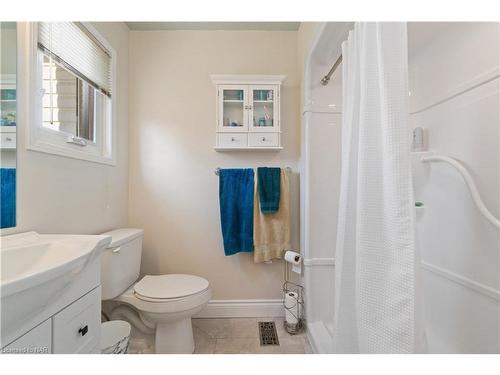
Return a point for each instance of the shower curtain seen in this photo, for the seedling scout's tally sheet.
(375, 253)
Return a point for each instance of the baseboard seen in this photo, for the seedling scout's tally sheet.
(246, 308)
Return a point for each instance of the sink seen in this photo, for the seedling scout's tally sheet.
(36, 268)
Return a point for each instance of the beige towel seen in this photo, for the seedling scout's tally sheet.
(271, 232)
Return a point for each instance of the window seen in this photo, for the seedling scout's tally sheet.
(68, 102)
(72, 93)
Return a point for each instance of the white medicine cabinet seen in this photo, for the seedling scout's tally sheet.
(248, 112)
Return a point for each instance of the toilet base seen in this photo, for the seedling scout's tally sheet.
(175, 337)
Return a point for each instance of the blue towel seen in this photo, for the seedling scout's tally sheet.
(8, 197)
(269, 189)
(236, 188)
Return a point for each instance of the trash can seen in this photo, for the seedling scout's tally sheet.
(115, 336)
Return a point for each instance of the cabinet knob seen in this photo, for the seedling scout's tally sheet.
(232, 139)
(83, 331)
(263, 139)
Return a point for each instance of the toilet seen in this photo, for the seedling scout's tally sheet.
(163, 304)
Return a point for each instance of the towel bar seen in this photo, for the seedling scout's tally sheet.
(217, 170)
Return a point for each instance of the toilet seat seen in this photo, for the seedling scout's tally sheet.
(164, 288)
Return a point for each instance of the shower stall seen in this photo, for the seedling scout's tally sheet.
(454, 83)
(320, 182)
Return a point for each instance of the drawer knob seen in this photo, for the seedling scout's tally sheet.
(83, 331)
(8, 139)
(232, 139)
(263, 139)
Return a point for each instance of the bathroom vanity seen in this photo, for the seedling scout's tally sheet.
(50, 293)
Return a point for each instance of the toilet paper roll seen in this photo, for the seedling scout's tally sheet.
(295, 260)
(292, 308)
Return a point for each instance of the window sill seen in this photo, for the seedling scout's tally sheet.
(70, 151)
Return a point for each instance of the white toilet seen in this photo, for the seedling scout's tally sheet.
(164, 303)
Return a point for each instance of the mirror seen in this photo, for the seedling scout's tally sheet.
(8, 119)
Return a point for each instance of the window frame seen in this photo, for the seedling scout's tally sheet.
(42, 139)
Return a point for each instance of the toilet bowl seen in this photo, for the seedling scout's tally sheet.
(163, 303)
(169, 302)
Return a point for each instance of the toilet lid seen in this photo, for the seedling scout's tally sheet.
(170, 286)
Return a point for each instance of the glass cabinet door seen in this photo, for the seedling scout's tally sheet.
(233, 109)
(7, 106)
(263, 109)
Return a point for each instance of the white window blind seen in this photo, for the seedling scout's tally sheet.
(73, 46)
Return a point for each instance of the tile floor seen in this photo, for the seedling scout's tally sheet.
(231, 336)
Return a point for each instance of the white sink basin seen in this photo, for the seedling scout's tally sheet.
(35, 269)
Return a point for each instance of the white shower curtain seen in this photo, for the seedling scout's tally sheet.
(375, 253)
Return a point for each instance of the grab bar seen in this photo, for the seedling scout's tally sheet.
(470, 184)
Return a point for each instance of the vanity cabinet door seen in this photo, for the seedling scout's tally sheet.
(77, 328)
(36, 341)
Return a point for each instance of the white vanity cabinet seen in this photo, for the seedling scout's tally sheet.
(75, 329)
(36, 341)
(69, 322)
(248, 112)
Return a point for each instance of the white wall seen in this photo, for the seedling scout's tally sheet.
(173, 188)
(306, 36)
(8, 46)
(455, 95)
(63, 195)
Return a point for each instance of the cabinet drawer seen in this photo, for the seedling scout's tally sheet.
(77, 328)
(36, 341)
(233, 140)
(263, 139)
(8, 140)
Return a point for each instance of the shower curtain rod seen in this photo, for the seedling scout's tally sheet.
(326, 78)
(217, 170)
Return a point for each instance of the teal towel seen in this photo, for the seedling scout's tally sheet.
(236, 195)
(8, 197)
(269, 189)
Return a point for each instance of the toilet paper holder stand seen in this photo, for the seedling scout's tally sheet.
(297, 307)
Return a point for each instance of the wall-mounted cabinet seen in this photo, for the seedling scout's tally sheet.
(248, 112)
(8, 108)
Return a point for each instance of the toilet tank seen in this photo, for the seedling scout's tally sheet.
(120, 261)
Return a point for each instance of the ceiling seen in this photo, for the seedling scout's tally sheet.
(259, 26)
